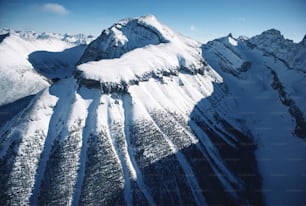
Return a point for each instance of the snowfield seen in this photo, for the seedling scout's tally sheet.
(18, 77)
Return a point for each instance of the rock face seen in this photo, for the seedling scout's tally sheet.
(145, 120)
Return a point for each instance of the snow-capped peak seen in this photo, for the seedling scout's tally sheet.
(271, 36)
(273, 42)
(138, 48)
(126, 35)
(32, 35)
(231, 40)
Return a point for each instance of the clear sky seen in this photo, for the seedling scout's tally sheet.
(201, 19)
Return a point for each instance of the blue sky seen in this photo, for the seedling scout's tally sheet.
(201, 19)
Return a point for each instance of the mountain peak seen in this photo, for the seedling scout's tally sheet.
(126, 35)
(270, 40)
(136, 49)
(148, 17)
(272, 31)
(271, 35)
(232, 40)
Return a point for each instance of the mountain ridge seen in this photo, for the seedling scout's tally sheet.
(204, 129)
(146, 49)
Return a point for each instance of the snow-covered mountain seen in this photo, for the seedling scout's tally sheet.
(32, 35)
(147, 49)
(29, 60)
(290, 53)
(267, 82)
(146, 116)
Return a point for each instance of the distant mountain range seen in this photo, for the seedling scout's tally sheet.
(142, 115)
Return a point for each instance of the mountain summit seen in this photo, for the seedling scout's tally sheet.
(139, 48)
(126, 35)
(150, 117)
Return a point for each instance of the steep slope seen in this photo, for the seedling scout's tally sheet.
(268, 93)
(149, 127)
(140, 147)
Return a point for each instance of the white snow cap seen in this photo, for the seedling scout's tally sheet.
(135, 47)
(232, 41)
(126, 35)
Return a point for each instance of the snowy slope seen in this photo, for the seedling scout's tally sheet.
(23, 55)
(153, 51)
(104, 148)
(145, 120)
(269, 95)
(147, 127)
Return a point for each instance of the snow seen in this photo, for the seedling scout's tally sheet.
(213, 156)
(92, 100)
(75, 126)
(65, 97)
(138, 63)
(18, 77)
(114, 114)
(126, 35)
(171, 95)
(30, 129)
(128, 119)
(232, 41)
(137, 105)
(223, 56)
(32, 35)
(273, 42)
(116, 110)
(68, 109)
(171, 55)
(191, 179)
(280, 153)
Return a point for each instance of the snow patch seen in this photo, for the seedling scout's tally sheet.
(232, 41)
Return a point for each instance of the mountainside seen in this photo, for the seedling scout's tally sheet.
(29, 60)
(286, 51)
(146, 116)
(269, 94)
